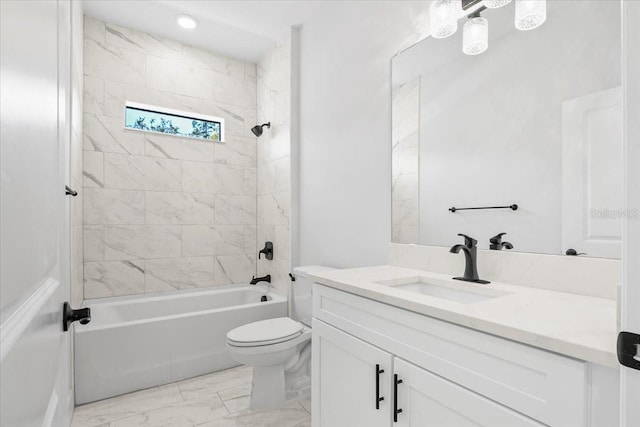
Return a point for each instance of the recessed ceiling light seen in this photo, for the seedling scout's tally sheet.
(188, 22)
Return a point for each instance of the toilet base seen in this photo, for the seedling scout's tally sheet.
(274, 385)
(268, 390)
(281, 372)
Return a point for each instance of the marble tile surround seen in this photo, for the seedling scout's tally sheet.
(274, 162)
(594, 277)
(164, 212)
(405, 165)
(218, 399)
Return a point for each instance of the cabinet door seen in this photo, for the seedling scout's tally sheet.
(427, 400)
(344, 380)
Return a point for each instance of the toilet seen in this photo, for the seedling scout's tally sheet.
(279, 349)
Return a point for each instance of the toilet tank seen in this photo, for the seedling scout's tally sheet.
(301, 304)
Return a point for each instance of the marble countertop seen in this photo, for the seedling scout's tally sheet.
(582, 327)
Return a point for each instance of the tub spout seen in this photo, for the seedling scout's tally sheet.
(256, 280)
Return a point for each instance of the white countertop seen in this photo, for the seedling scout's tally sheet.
(582, 327)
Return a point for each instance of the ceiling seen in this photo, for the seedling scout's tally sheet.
(241, 29)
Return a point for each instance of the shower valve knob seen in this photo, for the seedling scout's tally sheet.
(267, 251)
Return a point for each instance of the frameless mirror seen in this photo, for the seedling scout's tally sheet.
(534, 121)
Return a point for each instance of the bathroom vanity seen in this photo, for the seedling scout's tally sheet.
(508, 144)
(400, 346)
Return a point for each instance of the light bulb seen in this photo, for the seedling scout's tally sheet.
(444, 18)
(494, 4)
(188, 22)
(530, 14)
(475, 36)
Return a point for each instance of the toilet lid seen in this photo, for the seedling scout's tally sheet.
(264, 332)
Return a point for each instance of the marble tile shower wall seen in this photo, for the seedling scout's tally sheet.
(163, 212)
(274, 162)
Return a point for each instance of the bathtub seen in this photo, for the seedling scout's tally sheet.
(143, 341)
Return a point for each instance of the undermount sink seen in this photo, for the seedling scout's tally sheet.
(445, 289)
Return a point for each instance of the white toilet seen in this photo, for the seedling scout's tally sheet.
(279, 349)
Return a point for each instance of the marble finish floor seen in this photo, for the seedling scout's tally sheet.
(220, 399)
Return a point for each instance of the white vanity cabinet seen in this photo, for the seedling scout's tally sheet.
(361, 385)
(425, 399)
(353, 376)
(450, 375)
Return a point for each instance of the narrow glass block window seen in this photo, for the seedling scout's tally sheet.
(172, 122)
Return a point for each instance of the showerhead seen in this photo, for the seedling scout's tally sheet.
(257, 129)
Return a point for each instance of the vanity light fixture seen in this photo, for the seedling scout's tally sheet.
(475, 34)
(444, 18)
(187, 22)
(530, 14)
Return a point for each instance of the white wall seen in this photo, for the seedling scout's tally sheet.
(345, 126)
(630, 379)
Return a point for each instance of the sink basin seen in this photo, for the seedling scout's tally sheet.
(444, 289)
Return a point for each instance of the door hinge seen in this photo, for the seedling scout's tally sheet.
(628, 343)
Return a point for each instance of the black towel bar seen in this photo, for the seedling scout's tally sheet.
(513, 207)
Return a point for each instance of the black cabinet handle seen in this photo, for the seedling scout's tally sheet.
(378, 398)
(396, 410)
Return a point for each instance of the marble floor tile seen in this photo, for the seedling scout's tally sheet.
(236, 399)
(186, 413)
(220, 399)
(110, 410)
(207, 385)
(306, 404)
(290, 416)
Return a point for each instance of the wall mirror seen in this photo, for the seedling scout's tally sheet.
(534, 121)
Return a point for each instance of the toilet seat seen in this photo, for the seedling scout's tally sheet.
(265, 332)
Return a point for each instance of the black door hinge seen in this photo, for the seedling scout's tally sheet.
(628, 343)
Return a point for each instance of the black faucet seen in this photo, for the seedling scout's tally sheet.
(573, 252)
(256, 280)
(470, 259)
(496, 243)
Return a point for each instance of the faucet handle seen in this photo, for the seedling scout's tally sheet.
(497, 239)
(469, 242)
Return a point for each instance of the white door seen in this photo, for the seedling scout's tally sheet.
(427, 400)
(630, 378)
(345, 370)
(592, 179)
(34, 350)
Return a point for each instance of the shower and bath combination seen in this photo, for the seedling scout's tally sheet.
(257, 129)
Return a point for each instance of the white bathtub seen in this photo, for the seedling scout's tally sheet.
(143, 341)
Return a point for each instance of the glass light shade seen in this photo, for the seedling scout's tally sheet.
(444, 18)
(530, 14)
(188, 22)
(494, 4)
(475, 36)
